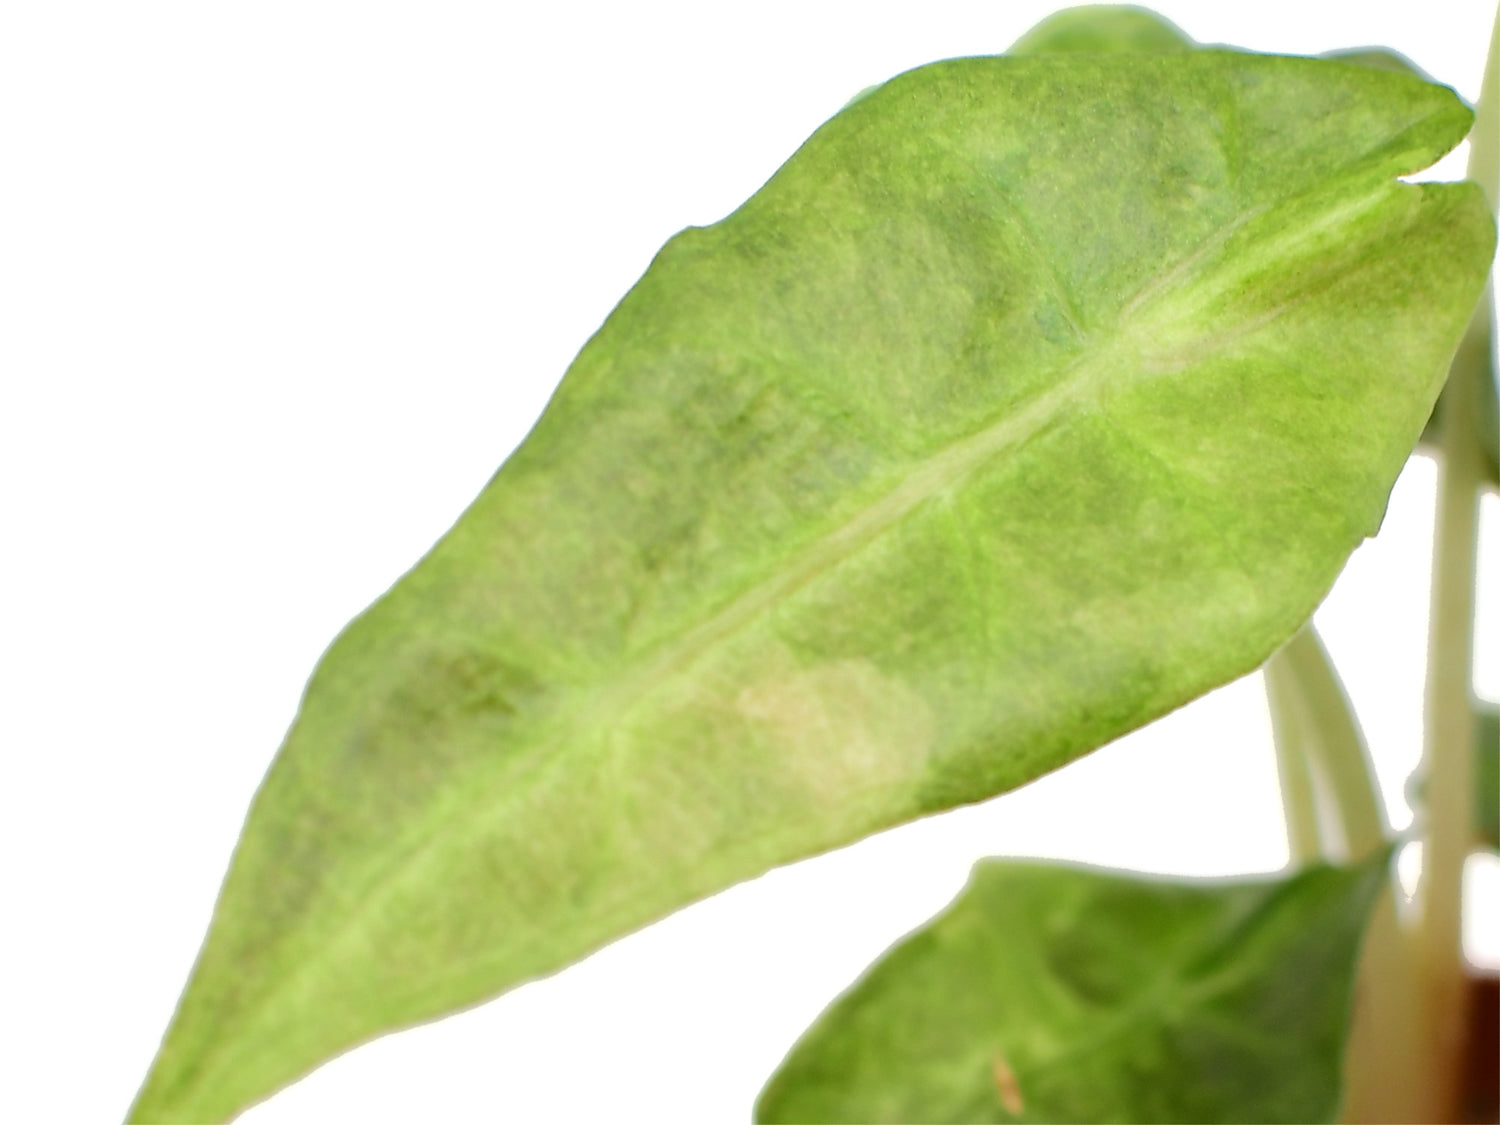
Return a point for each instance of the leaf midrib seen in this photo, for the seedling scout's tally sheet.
(926, 480)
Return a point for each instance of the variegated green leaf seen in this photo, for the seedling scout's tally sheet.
(1031, 398)
(1061, 994)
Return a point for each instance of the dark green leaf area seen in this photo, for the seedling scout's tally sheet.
(1486, 775)
(1489, 428)
(1487, 772)
(1051, 993)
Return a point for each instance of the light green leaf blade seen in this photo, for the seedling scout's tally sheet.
(1061, 994)
(1378, 58)
(1092, 27)
(1102, 27)
(1029, 400)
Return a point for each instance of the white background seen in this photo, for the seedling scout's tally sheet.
(280, 285)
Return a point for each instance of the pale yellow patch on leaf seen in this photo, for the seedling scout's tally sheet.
(842, 725)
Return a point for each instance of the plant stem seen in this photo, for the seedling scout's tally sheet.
(1334, 812)
(1448, 756)
(1328, 787)
(1299, 804)
(1484, 138)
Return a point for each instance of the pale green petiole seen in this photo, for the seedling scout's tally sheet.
(1332, 798)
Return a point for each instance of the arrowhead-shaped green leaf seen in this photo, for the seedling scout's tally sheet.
(1030, 399)
(1059, 994)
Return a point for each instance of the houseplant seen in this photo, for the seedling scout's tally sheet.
(846, 681)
